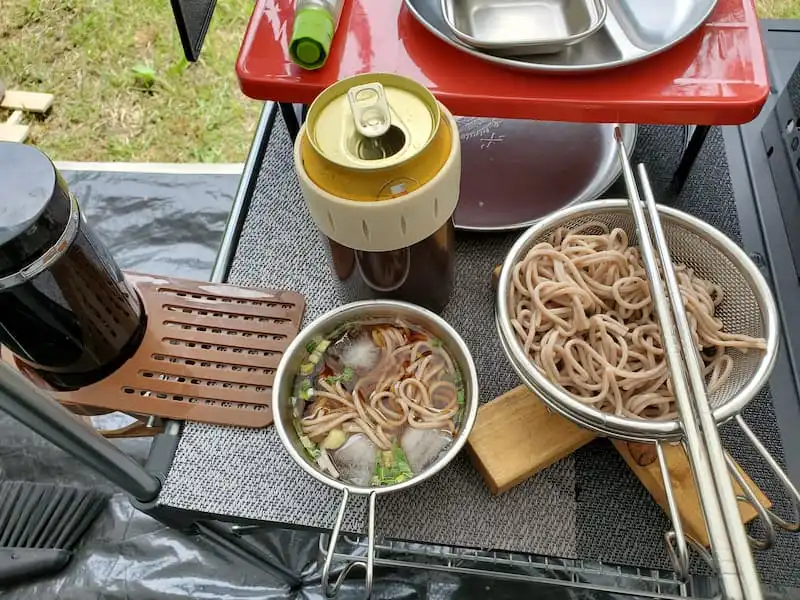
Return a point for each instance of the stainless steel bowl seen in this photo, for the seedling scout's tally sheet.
(282, 409)
(748, 308)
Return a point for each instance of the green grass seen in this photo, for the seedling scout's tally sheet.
(779, 9)
(123, 91)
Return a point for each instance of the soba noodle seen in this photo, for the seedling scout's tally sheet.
(581, 308)
(363, 391)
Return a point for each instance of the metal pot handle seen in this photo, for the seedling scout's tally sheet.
(368, 566)
(749, 496)
(783, 478)
(677, 541)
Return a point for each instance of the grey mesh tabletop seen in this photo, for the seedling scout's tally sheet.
(587, 506)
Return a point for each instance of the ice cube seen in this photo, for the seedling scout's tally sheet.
(424, 446)
(356, 460)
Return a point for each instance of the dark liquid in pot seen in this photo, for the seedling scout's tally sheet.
(76, 322)
(422, 273)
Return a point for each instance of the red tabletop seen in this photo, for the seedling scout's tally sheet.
(718, 76)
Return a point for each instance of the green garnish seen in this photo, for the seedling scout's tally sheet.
(458, 380)
(310, 447)
(460, 397)
(392, 467)
(312, 345)
(347, 374)
(436, 343)
(306, 390)
(306, 368)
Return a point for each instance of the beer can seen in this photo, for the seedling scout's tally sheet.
(374, 137)
(379, 163)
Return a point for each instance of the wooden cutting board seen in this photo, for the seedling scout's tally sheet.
(515, 437)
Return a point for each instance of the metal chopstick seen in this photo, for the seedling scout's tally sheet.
(729, 543)
(716, 453)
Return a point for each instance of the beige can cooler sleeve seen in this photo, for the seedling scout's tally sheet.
(387, 224)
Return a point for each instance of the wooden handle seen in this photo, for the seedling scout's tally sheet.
(515, 437)
(643, 454)
(680, 473)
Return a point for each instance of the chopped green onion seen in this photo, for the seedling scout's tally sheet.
(392, 467)
(315, 342)
(460, 397)
(436, 342)
(306, 389)
(306, 368)
(347, 374)
(315, 357)
(323, 345)
(401, 462)
(334, 440)
(311, 447)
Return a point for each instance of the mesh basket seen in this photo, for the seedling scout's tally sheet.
(747, 308)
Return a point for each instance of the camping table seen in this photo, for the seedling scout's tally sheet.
(697, 82)
(716, 77)
(701, 81)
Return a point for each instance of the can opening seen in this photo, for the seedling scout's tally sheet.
(383, 146)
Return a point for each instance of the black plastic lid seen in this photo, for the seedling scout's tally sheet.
(34, 206)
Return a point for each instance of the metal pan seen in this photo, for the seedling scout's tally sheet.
(523, 27)
(283, 410)
(537, 167)
(634, 30)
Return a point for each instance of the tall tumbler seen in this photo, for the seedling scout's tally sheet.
(66, 310)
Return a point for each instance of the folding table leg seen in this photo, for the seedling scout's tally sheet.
(290, 118)
(689, 156)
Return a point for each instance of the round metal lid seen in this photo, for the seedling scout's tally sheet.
(514, 172)
(34, 205)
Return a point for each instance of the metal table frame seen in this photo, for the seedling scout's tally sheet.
(751, 157)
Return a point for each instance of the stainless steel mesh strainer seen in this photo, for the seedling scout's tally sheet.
(748, 308)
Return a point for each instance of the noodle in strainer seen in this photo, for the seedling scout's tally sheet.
(746, 310)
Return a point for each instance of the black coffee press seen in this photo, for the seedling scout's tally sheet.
(66, 310)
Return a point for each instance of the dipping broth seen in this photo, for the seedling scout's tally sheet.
(377, 401)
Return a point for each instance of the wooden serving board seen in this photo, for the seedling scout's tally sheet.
(515, 437)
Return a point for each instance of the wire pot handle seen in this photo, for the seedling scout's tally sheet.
(369, 566)
(676, 539)
(786, 483)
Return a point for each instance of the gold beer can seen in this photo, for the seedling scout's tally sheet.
(374, 137)
(379, 164)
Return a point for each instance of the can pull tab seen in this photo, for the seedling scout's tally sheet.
(370, 109)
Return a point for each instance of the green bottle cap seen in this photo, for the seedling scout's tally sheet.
(311, 37)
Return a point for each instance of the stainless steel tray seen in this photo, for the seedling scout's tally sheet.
(634, 30)
(523, 27)
(536, 167)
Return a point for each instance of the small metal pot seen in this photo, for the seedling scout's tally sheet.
(282, 412)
